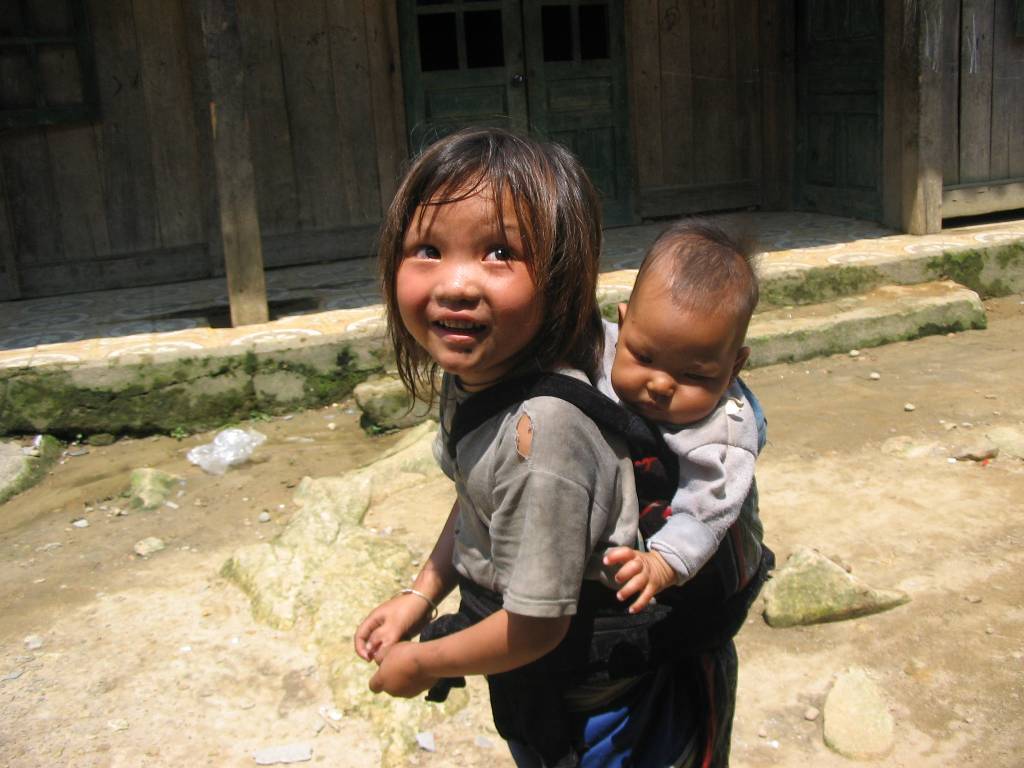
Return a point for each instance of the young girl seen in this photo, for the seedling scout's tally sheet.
(489, 262)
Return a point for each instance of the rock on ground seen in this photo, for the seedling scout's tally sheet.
(1009, 440)
(858, 724)
(810, 589)
(386, 405)
(150, 488)
(21, 467)
(325, 571)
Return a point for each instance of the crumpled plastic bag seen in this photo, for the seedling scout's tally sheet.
(229, 448)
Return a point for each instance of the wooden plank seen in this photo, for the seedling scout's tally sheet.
(312, 115)
(387, 96)
(28, 179)
(921, 75)
(1007, 69)
(1015, 119)
(10, 287)
(166, 86)
(355, 242)
(644, 73)
(126, 158)
(195, 43)
(892, 115)
(778, 103)
(157, 267)
(78, 186)
(267, 106)
(951, 92)
(983, 198)
(749, 106)
(702, 198)
(714, 91)
(676, 139)
(236, 183)
(976, 90)
(350, 60)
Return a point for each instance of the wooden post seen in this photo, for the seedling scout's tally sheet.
(920, 104)
(232, 159)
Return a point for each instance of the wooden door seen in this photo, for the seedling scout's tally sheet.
(556, 69)
(839, 76)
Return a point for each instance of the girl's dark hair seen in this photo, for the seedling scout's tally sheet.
(559, 218)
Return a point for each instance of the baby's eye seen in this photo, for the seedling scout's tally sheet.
(642, 359)
(499, 253)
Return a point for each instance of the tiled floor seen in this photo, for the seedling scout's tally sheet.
(306, 300)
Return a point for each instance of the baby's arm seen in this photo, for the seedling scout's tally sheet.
(498, 643)
(404, 615)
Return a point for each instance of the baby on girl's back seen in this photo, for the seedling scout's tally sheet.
(675, 359)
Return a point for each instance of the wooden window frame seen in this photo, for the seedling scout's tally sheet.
(44, 114)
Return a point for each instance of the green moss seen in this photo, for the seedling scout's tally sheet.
(968, 267)
(819, 284)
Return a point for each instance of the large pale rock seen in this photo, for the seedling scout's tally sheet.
(386, 405)
(857, 723)
(150, 488)
(810, 589)
(1009, 440)
(325, 572)
(22, 467)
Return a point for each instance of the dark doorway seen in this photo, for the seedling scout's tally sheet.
(839, 75)
(556, 69)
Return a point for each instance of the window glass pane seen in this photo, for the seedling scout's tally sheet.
(593, 31)
(16, 79)
(439, 48)
(556, 22)
(484, 44)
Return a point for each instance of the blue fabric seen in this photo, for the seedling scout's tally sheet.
(655, 725)
(759, 419)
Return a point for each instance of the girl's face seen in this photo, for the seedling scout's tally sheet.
(463, 289)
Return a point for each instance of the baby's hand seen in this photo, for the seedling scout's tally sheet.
(643, 572)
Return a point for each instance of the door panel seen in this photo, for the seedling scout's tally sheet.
(557, 70)
(839, 71)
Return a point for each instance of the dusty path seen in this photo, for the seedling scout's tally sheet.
(157, 662)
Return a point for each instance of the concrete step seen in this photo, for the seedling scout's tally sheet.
(170, 387)
(880, 316)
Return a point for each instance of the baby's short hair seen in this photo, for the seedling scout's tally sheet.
(707, 270)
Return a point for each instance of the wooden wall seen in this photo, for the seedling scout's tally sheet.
(696, 96)
(983, 107)
(129, 200)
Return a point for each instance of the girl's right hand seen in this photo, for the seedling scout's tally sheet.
(400, 618)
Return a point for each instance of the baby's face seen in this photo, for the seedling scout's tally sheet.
(672, 366)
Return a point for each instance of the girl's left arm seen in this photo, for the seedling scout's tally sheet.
(501, 642)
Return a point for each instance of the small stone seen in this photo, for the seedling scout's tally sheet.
(951, 460)
(811, 714)
(425, 741)
(975, 599)
(149, 546)
(150, 488)
(119, 724)
(33, 642)
(12, 675)
(967, 424)
(949, 427)
(989, 631)
(762, 732)
(991, 397)
(874, 375)
(332, 426)
(264, 517)
(301, 752)
(101, 439)
(483, 742)
(80, 522)
(774, 743)
(854, 353)
(909, 407)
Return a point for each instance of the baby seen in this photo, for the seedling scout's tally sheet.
(674, 359)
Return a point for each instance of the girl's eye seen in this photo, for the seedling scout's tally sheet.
(499, 253)
(426, 252)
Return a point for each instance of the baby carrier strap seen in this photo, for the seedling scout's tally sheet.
(642, 438)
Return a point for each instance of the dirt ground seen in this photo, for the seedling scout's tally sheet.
(157, 661)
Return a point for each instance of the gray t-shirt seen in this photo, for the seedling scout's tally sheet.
(533, 528)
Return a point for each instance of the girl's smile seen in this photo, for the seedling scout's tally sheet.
(464, 291)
